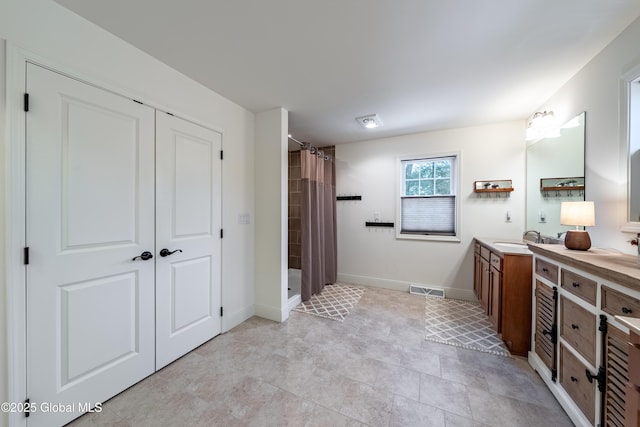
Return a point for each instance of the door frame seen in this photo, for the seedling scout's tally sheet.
(15, 200)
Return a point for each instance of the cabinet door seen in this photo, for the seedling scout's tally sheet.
(477, 275)
(632, 409)
(495, 306)
(546, 329)
(617, 368)
(484, 284)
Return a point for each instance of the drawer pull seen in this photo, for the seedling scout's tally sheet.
(626, 310)
(575, 285)
(574, 326)
(545, 269)
(574, 379)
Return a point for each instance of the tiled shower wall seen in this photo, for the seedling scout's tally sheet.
(295, 224)
(295, 208)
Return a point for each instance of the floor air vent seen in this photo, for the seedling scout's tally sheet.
(423, 290)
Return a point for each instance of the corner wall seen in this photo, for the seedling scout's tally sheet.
(271, 215)
(373, 256)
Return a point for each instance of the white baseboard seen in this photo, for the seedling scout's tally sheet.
(397, 285)
(276, 314)
(230, 321)
(293, 302)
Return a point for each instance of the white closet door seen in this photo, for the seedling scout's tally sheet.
(90, 210)
(188, 222)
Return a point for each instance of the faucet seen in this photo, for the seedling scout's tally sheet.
(537, 233)
(561, 233)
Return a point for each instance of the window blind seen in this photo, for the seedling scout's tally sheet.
(429, 215)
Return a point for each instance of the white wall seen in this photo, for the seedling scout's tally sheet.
(271, 214)
(3, 294)
(596, 90)
(63, 40)
(373, 256)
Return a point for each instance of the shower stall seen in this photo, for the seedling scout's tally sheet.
(311, 220)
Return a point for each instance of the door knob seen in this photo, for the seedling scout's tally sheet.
(166, 252)
(143, 256)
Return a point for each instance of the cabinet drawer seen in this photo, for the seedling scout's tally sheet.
(578, 285)
(634, 364)
(476, 248)
(496, 261)
(547, 270)
(485, 253)
(575, 383)
(578, 328)
(619, 304)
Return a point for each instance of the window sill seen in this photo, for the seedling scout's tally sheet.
(428, 237)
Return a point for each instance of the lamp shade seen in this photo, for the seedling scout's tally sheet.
(578, 214)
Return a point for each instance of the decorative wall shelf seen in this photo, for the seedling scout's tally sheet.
(496, 186)
(562, 186)
(379, 224)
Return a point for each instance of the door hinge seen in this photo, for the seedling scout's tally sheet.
(26, 102)
(27, 408)
(221, 311)
(603, 324)
(221, 155)
(221, 233)
(600, 377)
(26, 256)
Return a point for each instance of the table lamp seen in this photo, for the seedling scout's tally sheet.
(580, 214)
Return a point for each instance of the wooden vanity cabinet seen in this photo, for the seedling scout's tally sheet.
(503, 286)
(593, 352)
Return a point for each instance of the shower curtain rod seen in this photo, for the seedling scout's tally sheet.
(314, 150)
(302, 144)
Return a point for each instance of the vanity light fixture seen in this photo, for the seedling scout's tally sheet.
(371, 121)
(542, 125)
(580, 214)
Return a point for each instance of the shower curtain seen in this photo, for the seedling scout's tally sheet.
(319, 247)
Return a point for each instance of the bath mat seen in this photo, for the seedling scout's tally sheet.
(461, 324)
(334, 302)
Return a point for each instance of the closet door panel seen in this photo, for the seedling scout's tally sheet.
(90, 209)
(188, 224)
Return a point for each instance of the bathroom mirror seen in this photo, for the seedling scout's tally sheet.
(633, 152)
(555, 173)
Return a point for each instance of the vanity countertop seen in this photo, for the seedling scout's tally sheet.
(505, 246)
(633, 323)
(608, 264)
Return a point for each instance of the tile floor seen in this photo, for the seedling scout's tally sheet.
(374, 369)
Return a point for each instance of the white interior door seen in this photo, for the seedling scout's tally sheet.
(188, 223)
(90, 210)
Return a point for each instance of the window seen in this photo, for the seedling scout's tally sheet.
(428, 204)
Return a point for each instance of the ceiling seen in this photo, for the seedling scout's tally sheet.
(419, 64)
